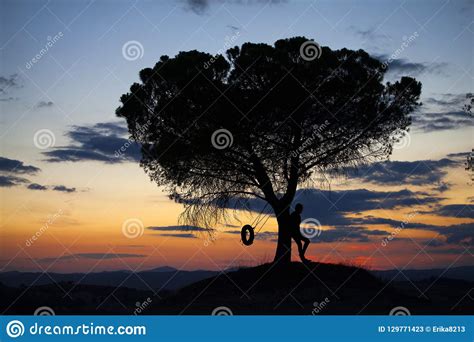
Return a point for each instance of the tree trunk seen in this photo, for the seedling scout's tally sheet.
(283, 251)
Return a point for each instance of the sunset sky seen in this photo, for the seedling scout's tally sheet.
(61, 181)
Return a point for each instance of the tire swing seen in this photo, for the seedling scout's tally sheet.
(247, 234)
(247, 240)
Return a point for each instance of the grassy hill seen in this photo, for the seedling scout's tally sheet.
(298, 289)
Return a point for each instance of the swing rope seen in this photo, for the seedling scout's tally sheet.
(263, 224)
(259, 219)
(250, 228)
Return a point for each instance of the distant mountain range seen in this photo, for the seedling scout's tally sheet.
(295, 289)
(161, 278)
(169, 278)
(459, 273)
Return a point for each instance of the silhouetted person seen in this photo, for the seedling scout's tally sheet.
(295, 221)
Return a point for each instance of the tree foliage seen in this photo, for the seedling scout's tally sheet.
(290, 120)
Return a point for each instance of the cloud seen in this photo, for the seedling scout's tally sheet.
(94, 256)
(461, 155)
(7, 82)
(443, 112)
(458, 234)
(197, 6)
(104, 142)
(16, 166)
(369, 34)
(63, 188)
(456, 210)
(11, 168)
(347, 234)
(180, 231)
(420, 172)
(181, 228)
(442, 187)
(437, 121)
(454, 234)
(331, 208)
(200, 7)
(404, 67)
(447, 100)
(44, 104)
(179, 235)
(36, 186)
(233, 28)
(455, 251)
(358, 200)
(404, 223)
(9, 181)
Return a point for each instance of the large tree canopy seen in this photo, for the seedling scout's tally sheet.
(288, 119)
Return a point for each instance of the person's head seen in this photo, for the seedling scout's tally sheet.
(299, 208)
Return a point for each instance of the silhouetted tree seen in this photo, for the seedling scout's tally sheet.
(288, 120)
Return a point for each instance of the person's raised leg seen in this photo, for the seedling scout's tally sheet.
(300, 248)
(305, 247)
(306, 244)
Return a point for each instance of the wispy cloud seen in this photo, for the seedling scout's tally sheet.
(98, 142)
(180, 228)
(9, 181)
(447, 100)
(369, 34)
(430, 122)
(63, 188)
(17, 166)
(455, 210)
(332, 208)
(11, 168)
(36, 186)
(6, 84)
(404, 67)
(200, 7)
(44, 104)
(420, 172)
(179, 235)
(458, 234)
